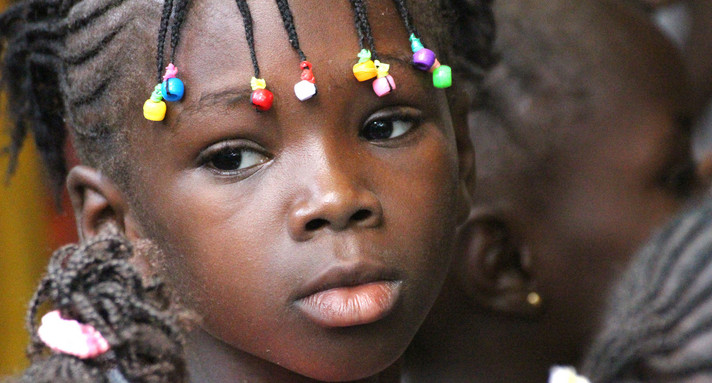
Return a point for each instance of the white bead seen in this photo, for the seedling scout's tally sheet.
(304, 90)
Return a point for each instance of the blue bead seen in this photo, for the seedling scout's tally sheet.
(172, 89)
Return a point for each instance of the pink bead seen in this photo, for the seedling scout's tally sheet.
(384, 85)
(171, 72)
(436, 65)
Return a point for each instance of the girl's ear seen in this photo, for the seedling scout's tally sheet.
(97, 201)
(492, 267)
(459, 102)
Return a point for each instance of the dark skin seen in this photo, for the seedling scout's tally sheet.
(563, 227)
(249, 208)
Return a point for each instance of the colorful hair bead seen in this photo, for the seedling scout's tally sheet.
(169, 87)
(365, 68)
(368, 65)
(423, 58)
(385, 83)
(172, 87)
(154, 108)
(442, 77)
(261, 98)
(305, 89)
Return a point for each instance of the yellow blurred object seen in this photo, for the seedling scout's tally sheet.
(24, 245)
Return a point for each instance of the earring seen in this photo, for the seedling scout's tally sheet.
(534, 299)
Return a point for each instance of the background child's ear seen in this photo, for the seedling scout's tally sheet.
(459, 102)
(491, 266)
(97, 201)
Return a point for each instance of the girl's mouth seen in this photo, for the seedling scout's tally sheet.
(345, 306)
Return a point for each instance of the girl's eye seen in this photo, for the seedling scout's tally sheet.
(234, 159)
(390, 127)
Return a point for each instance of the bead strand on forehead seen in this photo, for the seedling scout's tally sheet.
(368, 65)
(169, 87)
(423, 58)
(306, 88)
(261, 97)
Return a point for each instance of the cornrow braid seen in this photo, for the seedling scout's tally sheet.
(407, 19)
(170, 87)
(96, 284)
(366, 68)
(261, 97)
(288, 20)
(162, 33)
(64, 67)
(180, 11)
(249, 34)
(363, 27)
(306, 88)
(423, 58)
(31, 37)
(659, 319)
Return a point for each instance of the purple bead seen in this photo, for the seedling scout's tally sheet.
(423, 59)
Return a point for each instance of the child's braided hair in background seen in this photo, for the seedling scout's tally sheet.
(659, 322)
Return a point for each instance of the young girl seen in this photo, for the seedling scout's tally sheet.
(310, 235)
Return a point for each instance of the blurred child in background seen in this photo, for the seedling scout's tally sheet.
(582, 145)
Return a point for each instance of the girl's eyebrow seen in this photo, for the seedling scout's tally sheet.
(235, 95)
(226, 97)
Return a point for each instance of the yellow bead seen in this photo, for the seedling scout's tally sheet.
(154, 111)
(365, 70)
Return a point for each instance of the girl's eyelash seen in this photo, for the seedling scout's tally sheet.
(391, 116)
(233, 155)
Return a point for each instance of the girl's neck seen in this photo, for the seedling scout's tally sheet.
(213, 361)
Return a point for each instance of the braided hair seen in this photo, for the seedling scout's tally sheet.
(659, 323)
(65, 73)
(95, 283)
(63, 69)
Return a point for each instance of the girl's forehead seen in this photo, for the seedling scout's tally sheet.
(326, 30)
(214, 46)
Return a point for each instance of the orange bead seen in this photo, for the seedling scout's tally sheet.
(365, 70)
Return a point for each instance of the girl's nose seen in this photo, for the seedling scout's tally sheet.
(334, 202)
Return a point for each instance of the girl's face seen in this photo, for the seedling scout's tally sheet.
(314, 235)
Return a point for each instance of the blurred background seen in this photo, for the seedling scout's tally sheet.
(30, 228)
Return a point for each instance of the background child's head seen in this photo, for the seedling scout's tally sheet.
(265, 219)
(657, 327)
(581, 150)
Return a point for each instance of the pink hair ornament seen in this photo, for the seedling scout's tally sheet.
(71, 337)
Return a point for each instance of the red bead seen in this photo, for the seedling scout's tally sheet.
(307, 72)
(262, 99)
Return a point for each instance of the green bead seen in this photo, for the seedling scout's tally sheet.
(157, 95)
(364, 55)
(442, 77)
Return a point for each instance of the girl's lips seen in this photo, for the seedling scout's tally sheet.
(346, 306)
